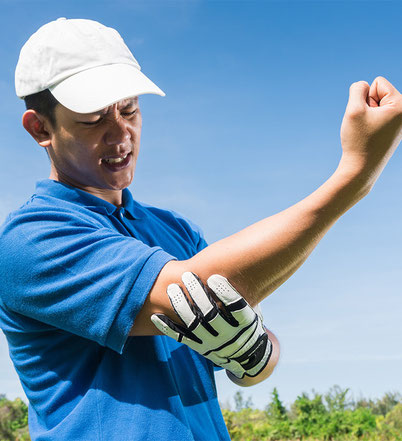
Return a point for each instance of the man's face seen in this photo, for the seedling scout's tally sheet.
(96, 152)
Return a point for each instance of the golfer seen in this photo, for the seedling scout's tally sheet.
(92, 279)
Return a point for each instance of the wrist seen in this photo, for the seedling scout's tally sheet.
(359, 172)
(353, 179)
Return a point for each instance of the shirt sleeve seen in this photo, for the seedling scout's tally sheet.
(75, 275)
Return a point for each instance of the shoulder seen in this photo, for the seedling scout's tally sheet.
(41, 212)
(177, 223)
(42, 224)
(171, 217)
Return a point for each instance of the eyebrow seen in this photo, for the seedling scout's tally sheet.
(130, 102)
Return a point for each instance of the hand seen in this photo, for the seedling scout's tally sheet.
(232, 336)
(372, 127)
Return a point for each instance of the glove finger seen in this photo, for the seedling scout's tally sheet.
(230, 298)
(182, 306)
(164, 326)
(173, 330)
(244, 316)
(199, 294)
(223, 290)
(237, 311)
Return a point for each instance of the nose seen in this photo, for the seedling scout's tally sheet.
(117, 132)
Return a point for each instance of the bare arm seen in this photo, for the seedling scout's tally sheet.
(258, 259)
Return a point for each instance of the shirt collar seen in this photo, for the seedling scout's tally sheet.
(59, 190)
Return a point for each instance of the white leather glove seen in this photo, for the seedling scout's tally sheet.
(233, 336)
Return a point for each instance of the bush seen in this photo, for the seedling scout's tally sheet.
(13, 420)
(329, 417)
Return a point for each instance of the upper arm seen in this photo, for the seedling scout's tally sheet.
(157, 300)
(77, 276)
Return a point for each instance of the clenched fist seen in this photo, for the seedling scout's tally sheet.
(371, 128)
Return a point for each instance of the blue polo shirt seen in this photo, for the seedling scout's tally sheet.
(75, 270)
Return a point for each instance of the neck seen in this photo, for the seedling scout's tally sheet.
(115, 197)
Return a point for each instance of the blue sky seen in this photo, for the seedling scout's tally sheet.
(255, 95)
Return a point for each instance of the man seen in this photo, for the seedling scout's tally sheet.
(84, 266)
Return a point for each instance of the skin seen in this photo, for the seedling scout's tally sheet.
(78, 142)
(258, 259)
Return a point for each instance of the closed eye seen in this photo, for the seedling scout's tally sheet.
(129, 113)
(91, 123)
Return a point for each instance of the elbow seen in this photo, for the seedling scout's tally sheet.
(274, 358)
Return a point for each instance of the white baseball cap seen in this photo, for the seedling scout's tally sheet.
(85, 65)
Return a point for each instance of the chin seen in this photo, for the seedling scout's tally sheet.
(121, 185)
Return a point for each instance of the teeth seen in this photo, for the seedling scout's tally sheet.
(115, 160)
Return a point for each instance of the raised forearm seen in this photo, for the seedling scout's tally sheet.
(259, 258)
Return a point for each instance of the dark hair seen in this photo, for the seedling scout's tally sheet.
(44, 103)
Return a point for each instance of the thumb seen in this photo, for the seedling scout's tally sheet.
(381, 92)
(358, 96)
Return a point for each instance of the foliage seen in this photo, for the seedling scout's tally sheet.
(333, 416)
(383, 405)
(13, 420)
(390, 425)
(278, 418)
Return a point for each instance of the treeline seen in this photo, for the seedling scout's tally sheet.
(333, 416)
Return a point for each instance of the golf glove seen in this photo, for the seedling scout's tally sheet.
(232, 336)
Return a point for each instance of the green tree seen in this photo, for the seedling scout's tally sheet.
(337, 399)
(278, 418)
(241, 403)
(383, 405)
(275, 409)
(390, 425)
(309, 416)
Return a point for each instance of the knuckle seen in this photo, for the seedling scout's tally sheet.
(355, 112)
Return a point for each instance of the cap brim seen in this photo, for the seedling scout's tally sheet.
(94, 89)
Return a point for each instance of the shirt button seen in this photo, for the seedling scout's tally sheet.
(121, 213)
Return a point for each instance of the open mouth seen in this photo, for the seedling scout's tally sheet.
(117, 163)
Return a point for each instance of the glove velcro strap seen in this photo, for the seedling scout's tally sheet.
(255, 354)
(252, 372)
(255, 364)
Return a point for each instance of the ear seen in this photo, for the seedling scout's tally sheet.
(38, 127)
